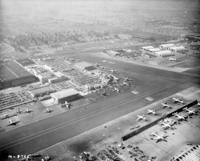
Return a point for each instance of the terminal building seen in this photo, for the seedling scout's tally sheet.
(12, 74)
(65, 95)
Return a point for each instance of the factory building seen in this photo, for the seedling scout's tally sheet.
(83, 65)
(166, 46)
(40, 92)
(88, 68)
(147, 48)
(65, 95)
(164, 53)
(177, 49)
(42, 73)
(150, 50)
(12, 74)
(58, 79)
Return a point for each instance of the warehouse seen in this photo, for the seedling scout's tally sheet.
(147, 48)
(58, 79)
(65, 95)
(83, 65)
(12, 74)
(166, 46)
(164, 53)
(40, 92)
(177, 49)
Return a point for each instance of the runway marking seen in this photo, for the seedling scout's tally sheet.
(52, 129)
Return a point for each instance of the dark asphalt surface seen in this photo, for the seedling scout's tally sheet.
(36, 136)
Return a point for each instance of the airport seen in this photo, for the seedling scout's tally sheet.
(100, 81)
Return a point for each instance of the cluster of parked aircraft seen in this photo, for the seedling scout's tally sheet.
(157, 137)
(168, 123)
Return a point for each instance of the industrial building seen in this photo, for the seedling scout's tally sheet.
(147, 48)
(84, 66)
(12, 74)
(164, 53)
(177, 49)
(40, 92)
(65, 95)
(42, 73)
(166, 46)
(58, 79)
(150, 50)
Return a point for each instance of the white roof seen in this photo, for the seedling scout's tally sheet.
(163, 52)
(166, 45)
(177, 48)
(64, 93)
(83, 64)
(147, 47)
(154, 49)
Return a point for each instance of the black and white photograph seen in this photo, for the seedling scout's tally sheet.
(99, 80)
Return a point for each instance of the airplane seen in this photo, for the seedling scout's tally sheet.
(117, 90)
(127, 79)
(166, 125)
(28, 110)
(180, 117)
(177, 100)
(157, 137)
(150, 111)
(198, 104)
(4, 116)
(14, 121)
(125, 84)
(165, 105)
(141, 117)
(190, 112)
(67, 104)
(48, 110)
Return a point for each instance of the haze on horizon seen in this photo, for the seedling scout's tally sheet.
(24, 16)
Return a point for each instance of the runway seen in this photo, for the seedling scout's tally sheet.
(44, 133)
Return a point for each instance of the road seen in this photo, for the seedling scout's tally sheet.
(39, 135)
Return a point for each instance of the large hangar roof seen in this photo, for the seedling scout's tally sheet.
(64, 93)
(83, 65)
(10, 70)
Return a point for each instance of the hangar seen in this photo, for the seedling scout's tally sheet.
(85, 66)
(66, 95)
(39, 92)
(12, 74)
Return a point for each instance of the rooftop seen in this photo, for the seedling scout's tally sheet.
(83, 65)
(90, 68)
(64, 93)
(10, 70)
(147, 47)
(163, 52)
(166, 45)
